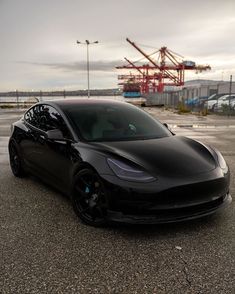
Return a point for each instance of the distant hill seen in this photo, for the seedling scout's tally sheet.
(93, 92)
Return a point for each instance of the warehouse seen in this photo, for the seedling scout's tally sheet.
(204, 88)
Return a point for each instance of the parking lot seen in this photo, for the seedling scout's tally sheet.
(46, 249)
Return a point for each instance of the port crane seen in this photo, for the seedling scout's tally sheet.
(167, 70)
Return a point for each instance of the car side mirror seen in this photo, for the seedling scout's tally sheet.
(55, 134)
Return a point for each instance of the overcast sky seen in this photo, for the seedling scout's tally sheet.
(38, 39)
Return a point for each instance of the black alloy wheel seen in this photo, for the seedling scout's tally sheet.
(15, 161)
(89, 198)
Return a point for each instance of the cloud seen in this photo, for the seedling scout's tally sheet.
(199, 30)
(101, 65)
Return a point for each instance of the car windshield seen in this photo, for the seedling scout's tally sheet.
(114, 122)
(212, 97)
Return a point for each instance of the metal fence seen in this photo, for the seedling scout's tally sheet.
(174, 99)
(182, 103)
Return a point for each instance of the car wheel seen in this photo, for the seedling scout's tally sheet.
(89, 198)
(16, 161)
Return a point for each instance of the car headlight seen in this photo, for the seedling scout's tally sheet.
(127, 172)
(221, 161)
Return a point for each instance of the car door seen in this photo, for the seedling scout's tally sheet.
(57, 157)
(219, 102)
(226, 101)
(232, 102)
(33, 142)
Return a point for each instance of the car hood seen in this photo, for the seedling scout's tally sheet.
(173, 155)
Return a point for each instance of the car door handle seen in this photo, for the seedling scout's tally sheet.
(42, 137)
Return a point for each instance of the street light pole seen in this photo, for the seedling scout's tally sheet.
(87, 43)
(230, 92)
(88, 68)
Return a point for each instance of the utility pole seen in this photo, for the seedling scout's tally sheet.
(230, 85)
(230, 92)
(87, 43)
(17, 98)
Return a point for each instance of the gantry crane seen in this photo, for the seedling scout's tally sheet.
(168, 70)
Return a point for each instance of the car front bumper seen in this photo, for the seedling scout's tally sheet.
(149, 205)
(171, 215)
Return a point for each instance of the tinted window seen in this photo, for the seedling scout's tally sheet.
(32, 116)
(46, 118)
(114, 122)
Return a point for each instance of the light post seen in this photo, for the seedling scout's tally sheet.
(87, 43)
(17, 98)
(230, 92)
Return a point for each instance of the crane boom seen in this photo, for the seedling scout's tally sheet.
(134, 66)
(170, 76)
(168, 70)
(142, 52)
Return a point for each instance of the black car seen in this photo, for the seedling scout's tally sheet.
(117, 163)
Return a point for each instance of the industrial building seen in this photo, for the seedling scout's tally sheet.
(192, 89)
(206, 88)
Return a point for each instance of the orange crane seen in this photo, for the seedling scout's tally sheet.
(168, 70)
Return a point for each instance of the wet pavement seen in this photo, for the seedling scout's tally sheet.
(46, 249)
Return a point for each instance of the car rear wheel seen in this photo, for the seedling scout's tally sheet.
(89, 198)
(16, 161)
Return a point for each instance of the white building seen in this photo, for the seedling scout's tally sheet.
(203, 88)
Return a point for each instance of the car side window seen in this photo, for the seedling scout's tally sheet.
(46, 118)
(32, 116)
(51, 119)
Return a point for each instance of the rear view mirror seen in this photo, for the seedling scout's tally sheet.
(55, 134)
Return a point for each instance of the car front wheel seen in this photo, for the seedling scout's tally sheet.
(16, 161)
(89, 198)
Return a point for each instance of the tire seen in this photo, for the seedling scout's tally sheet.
(16, 161)
(89, 198)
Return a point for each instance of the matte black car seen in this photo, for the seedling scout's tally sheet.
(117, 163)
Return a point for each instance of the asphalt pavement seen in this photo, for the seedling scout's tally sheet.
(46, 249)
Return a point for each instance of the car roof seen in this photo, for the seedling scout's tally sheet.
(227, 95)
(63, 103)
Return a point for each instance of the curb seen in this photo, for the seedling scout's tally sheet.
(200, 126)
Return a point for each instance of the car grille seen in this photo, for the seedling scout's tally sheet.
(187, 197)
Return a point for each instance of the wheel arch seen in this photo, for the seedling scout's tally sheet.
(13, 141)
(82, 166)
